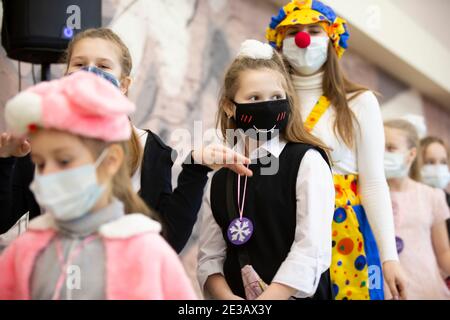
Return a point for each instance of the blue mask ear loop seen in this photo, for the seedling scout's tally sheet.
(97, 164)
(102, 157)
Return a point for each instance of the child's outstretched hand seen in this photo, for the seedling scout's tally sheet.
(11, 146)
(217, 156)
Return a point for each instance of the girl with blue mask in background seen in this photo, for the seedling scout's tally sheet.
(420, 216)
(435, 163)
(103, 53)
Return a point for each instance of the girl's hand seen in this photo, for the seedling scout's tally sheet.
(277, 292)
(217, 156)
(395, 279)
(11, 146)
(218, 288)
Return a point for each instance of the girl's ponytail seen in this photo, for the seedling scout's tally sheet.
(135, 154)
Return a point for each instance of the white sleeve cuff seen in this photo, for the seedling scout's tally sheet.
(302, 276)
(208, 269)
(392, 256)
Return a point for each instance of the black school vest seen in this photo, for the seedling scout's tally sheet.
(271, 204)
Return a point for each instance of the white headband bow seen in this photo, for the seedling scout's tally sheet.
(255, 49)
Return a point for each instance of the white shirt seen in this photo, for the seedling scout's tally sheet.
(310, 255)
(366, 159)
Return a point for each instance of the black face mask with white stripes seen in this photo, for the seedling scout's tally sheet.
(263, 121)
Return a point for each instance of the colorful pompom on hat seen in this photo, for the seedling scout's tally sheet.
(309, 12)
(82, 104)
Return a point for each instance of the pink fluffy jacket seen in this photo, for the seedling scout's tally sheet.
(140, 264)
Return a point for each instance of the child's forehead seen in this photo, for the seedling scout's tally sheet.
(395, 135)
(261, 76)
(51, 137)
(436, 148)
(96, 48)
(52, 142)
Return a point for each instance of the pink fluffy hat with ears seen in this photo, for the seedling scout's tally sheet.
(82, 104)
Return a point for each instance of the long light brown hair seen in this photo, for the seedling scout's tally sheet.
(122, 188)
(426, 142)
(413, 140)
(340, 91)
(295, 131)
(134, 157)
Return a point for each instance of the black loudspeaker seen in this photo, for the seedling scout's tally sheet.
(38, 31)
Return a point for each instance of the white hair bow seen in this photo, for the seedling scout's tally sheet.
(255, 49)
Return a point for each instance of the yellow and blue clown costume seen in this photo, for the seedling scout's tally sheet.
(355, 252)
(308, 12)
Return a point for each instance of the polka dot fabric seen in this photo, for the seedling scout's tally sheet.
(354, 246)
(308, 12)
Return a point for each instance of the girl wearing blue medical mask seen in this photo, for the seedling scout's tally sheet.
(401, 153)
(110, 59)
(102, 52)
(420, 216)
(435, 168)
(435, 163)
(96, 234)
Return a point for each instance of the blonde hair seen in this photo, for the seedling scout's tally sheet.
(126, 61)
(295, 131)
(413, 141)
(122, 188)
(135, 149)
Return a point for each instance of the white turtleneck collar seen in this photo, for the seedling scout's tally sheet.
(309, 90)
(313, 83)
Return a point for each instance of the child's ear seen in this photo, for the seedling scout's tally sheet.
(230, 109)
(412, 154)
(125, 85)
(114, 160)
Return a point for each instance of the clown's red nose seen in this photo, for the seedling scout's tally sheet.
(302, 40)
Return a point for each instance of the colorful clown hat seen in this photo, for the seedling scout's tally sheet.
(82, 104)
(308, 12)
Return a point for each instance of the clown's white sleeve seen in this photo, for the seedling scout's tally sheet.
(373, 187)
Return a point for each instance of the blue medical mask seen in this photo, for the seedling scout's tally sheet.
(101, 73)
(436, 176)
(70, 194)
(395, 165)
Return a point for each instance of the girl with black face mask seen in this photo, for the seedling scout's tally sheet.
(268, 236)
